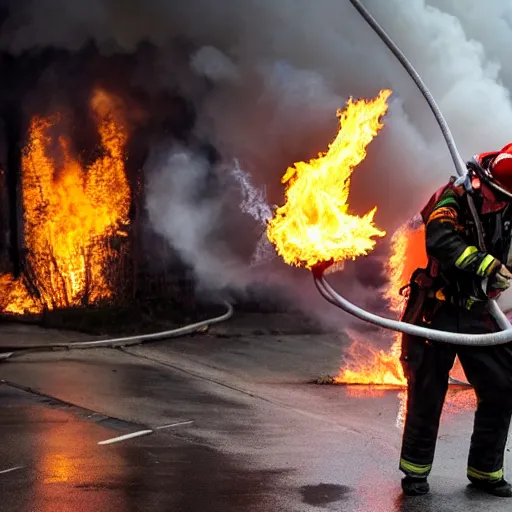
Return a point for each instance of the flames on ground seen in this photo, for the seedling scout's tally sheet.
(367, 365)
(71, 214)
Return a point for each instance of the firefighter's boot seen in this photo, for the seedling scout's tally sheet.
(415, 486)
(501, 488)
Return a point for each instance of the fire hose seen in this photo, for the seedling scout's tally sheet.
(494, 338)
(10, 352)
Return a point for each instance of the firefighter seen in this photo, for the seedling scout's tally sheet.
(468, 242)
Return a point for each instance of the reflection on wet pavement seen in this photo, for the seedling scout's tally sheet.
(66, 463)
(57, 450)
(258, 446)
(459, 398)
(369, 391)
(65, 470)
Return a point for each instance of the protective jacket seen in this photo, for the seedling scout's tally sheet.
(457, 264)
(461, 264)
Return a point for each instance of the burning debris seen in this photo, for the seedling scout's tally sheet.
(72, 215)
(325, 380)
(368, 365)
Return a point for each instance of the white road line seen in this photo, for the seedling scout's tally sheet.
(143, 432)
(174, 425)
(10, 470)
(127, 436)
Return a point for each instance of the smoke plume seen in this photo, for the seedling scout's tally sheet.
(266, 77)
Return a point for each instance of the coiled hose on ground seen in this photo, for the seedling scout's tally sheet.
(497, 338)
(10, 352)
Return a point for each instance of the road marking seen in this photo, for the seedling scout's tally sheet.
(126, 437)
(142, 433)
(10, 470)
(174, 425)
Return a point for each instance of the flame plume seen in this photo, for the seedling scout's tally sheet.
(70, 214)
(314, 226)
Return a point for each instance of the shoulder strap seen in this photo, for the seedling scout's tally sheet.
(429, 207)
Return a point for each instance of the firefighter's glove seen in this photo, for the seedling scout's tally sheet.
(500, 280)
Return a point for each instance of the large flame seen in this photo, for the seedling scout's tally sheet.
(366, 364)
(314, 225)
(70, 214)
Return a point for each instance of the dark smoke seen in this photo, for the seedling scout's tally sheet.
(260, 81)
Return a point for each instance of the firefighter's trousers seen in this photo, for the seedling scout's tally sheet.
(488, 369)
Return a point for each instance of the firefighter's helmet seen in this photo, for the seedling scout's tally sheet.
(495, 168)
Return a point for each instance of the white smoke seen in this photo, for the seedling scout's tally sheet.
(279, 70)
(191, 210)
(488, 22)
(254, 203)
(179, 213)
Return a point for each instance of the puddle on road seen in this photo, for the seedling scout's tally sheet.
(323, 494)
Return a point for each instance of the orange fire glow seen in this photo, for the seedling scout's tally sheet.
(367, 365)
(71, 213)
(379, 369)
(14, 298)
(314, 224)
(408, 252)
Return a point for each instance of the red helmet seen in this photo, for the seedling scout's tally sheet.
(497, 168)
(501, 168)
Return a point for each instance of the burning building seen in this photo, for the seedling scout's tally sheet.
(74, 218)
(72, 152)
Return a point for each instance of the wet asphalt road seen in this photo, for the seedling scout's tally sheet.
(58, 466)
(262, 439)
